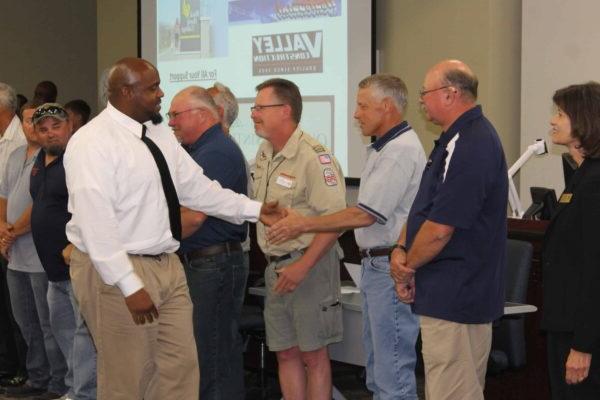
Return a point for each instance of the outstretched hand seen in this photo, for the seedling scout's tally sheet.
(141, 307)
(287, 228)
(270, 212)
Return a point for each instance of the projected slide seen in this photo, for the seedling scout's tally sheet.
(241, 43)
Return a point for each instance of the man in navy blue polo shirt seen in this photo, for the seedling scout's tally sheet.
(49, 217)
(450, 258)
(211, 251)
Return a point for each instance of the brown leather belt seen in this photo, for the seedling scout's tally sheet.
(213, 250)
(375, 252)
(284, 257)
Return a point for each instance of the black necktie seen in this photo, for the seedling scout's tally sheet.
(167, 184)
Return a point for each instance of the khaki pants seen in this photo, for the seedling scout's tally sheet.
(455, 358)
(155, 361)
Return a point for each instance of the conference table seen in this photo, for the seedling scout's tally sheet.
(350, 350)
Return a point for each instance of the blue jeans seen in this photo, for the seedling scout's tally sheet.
(217, 285)
(46, 365)
(390, 331)
(74, 341)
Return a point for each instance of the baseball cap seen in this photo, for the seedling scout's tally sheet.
(53, 110)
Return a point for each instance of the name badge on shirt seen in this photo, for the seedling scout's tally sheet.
(565, 198)
(285, 180)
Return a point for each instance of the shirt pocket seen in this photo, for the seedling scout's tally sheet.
(285, 195)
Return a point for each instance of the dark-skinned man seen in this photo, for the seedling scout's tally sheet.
(127, 177)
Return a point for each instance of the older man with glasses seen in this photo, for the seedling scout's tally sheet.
(211, 249)
(451, 255)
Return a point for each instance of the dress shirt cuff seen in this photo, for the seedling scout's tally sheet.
(129, 284)
(252, 211)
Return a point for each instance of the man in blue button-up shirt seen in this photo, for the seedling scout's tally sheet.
(450, 259)
(211, 251)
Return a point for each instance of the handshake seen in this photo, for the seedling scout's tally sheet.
(284, 223)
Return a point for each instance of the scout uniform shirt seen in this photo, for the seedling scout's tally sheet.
(303, 176)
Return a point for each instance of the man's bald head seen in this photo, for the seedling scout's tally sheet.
(449, 90)
(457, 74)
(126, 72)
(134, 89)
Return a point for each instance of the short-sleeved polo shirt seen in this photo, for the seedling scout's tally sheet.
(14, 187)
(304, 176)
(389, 184)
(49, 215)
(464, 185)
(223, 161)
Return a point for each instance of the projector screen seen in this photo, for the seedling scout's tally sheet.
(324, 46)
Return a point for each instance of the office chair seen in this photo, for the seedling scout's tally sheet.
(508, 340)
(252, 327)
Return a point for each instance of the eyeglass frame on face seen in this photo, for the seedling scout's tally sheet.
(423, 92)
(172, 115)
(259, 108)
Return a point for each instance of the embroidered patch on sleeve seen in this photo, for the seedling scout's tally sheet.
(325, 159)
(330, 177)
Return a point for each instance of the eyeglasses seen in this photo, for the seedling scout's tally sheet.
(423, 92)
(259, 108)
(175, 114)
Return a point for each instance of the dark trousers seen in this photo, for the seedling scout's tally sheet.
(217, 286)
(13, 349)
(559, 345)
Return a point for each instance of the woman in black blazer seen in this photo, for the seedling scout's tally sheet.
(571, 255)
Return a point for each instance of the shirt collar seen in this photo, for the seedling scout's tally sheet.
(208, 135)
(291, 147)
(13, 129)
(468, 116)
(124, 120)
(390, 135)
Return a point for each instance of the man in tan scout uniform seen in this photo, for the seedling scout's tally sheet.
(302, 308)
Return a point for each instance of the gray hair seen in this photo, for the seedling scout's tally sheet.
(8, 97)
(103, 88)
(387, 85)
(463, 80)
(226, 99)
(203, 98)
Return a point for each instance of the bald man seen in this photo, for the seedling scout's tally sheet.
(127, 179)
(450, 259)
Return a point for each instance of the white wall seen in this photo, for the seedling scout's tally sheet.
(560, 46)
(413, 35)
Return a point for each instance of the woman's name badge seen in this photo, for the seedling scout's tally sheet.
(285, 180)
(565, 198)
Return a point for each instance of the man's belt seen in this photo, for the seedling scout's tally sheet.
(375, 252)
(216, 249)
(276, 259)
